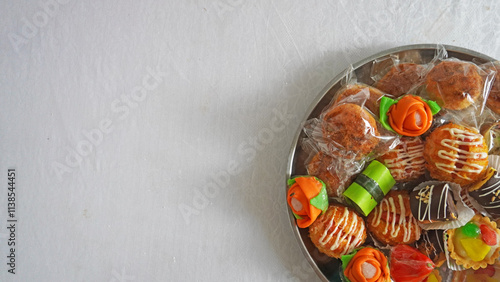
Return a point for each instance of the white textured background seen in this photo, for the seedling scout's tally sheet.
(186, 182)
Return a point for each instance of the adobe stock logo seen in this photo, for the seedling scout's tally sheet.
(31, 27)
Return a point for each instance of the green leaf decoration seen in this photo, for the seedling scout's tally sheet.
(321, 200)
(385, 104)
(435, 108)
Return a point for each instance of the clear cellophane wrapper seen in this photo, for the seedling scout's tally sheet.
(490, 129)
(460, 87)
(337, 175)
(400, 74)
(492, 105)
(348, 131)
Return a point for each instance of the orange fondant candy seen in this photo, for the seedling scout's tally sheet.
(354, 270)
(299, 198)
(410, 116)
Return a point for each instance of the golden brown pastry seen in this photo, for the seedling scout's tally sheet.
(493, 101)
(401, 78)
(318, 166)
(373, 101)
(338, 231)
(406, 161)
(456, 153)
(454, 85)
(350, 131)
(392, 222)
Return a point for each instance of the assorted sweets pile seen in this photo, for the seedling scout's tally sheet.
(402, 180)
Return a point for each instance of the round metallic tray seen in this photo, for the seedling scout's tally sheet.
(328, 268)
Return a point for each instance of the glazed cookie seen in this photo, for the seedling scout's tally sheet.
(338, 231)
(406, 161)
(392, 222)
(456, 153)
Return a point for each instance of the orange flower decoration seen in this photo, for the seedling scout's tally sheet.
(368, 265)
(410, 116)
(307, 198)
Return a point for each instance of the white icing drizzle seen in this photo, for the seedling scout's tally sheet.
(492, 190)
(396, 228)
(457, 155)
(343, 236)
(445, 193)
(409, 158)
(427, 194)
(427, 211)
(428, 242)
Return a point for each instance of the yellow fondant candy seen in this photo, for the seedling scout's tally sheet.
(432, 278)
(476, 249)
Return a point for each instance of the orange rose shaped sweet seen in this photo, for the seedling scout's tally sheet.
(367, 265)
(409, 116)
(307, 198)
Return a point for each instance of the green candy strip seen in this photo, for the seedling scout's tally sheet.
(380, 174)
(370, 186)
